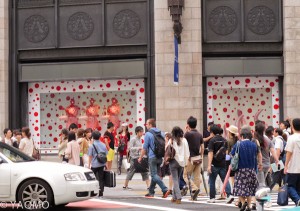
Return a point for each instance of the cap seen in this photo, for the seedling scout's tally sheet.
(232, 129)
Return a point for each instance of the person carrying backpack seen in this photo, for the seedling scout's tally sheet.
(154, 145)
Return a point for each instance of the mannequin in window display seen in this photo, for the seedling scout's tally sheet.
(113, 111)
(92, 112)
(71, 113)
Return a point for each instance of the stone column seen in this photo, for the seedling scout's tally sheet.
(175, 103)
(4, 46)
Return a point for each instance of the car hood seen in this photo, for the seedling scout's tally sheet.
(44, 166)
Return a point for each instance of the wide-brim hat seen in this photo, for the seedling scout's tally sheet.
(233, 129)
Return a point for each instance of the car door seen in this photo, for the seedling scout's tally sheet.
(5, 171)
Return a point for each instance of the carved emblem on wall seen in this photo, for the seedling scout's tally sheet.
(36, 28)
(80, 26)
(126, 24)
(261, 20)
(223, 20)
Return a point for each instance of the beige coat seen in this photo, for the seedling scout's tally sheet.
(73, 148)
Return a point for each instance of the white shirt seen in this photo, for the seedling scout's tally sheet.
(182, 152)
(26, 146)
(293, 146)
(8, 141)
(279, 143)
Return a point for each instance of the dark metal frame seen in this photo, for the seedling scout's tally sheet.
(18, 91)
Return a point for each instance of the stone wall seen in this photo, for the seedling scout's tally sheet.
(175, 103)
(4, 46)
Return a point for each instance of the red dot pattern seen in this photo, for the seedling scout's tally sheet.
(230, 97)
(47, 101)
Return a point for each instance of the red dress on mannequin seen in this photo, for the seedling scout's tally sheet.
(113, 111)
(92, 112)
(72, 112)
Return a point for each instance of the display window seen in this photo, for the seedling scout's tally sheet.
(243, 100)
(90, 104)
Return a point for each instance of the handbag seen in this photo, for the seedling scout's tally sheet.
(169, 153)
(35, 153)
(141, 167)
(101, 156)
(283, 196)
(121, 146)
(235, 160)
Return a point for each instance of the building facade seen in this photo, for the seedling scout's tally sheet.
(98, 60)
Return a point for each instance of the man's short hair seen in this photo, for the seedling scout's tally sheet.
(138, 129)
(110, 125)
(210, 123)
(152, 122)
(296, 124)
(5, 130)
(269, 130)
(96, 135)
(279, 131)
(73, 126)
(215, 129)
(246, 132)
(192, 122)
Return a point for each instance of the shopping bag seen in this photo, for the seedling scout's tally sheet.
(125, 163)
(283, 196)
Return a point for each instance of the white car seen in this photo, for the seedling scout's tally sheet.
(31, 183)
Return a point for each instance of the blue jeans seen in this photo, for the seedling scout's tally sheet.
(215, 171)
(154, 164)
(293, 181)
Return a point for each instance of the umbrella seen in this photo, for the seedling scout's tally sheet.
(203, 179)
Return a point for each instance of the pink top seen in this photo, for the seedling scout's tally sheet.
(74, 148)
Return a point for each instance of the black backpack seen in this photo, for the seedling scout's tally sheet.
(159, 144)
(221, 153)
(101, 156)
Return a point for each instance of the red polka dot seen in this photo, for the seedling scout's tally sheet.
(276, 106)
(209, 83)
(36, 86)
(229, 82)
(119, 83)
(48, 115)
(251, 123)
(132, 92)
(36, 128)
(224, 91)
(142, 90)
(50, 127)
(247, 80)
(263, 103)
(237, 82)
(68, 98)
(272, 84)
(52, 95)
(215, 97)
(277, 99)
(130, 126)
(108, 85)
(36, 113)
(252, 90)
(58, 88)
(210, 117)
(30, 90)
(236, 98)
(249, 110)
(60, 127)
(268, 90)
(225, 109)
(80, 87)
(128, 113)
(55, 139)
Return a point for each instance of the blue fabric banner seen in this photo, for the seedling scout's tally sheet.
(176, 64)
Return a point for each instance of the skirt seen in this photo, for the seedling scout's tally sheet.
(245, 182)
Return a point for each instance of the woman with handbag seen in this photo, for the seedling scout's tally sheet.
(73, 149)
(135, 147)
(123, 137)
(177, 161)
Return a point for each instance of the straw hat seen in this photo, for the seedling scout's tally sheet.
(232, 129)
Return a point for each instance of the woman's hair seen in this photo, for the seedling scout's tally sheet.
(177, 134)
(26, 130)
(65, 132)
(80, 133)
(71, 136)
(259, 134)
(235, 138)
(86, 131)
(168, 135)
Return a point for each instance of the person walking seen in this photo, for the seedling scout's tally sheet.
(94, 164)
(72, 152)
(135, 147)
(124, 137)
(196, 149)
(111, 142)
(154, 160)
(292, 168)
(182, 154)
(26, 144)
(63, 144)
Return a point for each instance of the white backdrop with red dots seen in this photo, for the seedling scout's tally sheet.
(230, 99)
(47, 101)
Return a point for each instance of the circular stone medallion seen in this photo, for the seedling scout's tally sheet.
(36, 28)
(80, 26)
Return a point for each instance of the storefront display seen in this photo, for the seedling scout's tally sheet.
(243, 100)
(90, 104)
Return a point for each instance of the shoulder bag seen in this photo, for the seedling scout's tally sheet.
(101, 156)
(235, 160)
(35, 153)
(169, 153)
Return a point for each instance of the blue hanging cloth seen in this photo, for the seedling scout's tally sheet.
(176, 64)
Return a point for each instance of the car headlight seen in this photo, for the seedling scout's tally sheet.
(74, 177)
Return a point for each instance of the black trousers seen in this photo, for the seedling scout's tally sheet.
(99, 173)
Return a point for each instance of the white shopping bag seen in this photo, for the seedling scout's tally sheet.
(125, 163)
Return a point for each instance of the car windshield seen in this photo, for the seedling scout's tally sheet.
(14, 154)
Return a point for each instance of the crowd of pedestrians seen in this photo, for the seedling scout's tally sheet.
(180, 154)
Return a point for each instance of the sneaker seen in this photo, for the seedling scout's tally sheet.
(178, 201)
(166, 194)
(173, 200)
(195, 195)
(268, 204)
(229, 200)
(213, 200)
(149, 195)
(126, 188)
(253, 206)
(170, 192)
(244, 206)
(184, 190)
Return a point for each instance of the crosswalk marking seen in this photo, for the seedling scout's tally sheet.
(203, 200)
